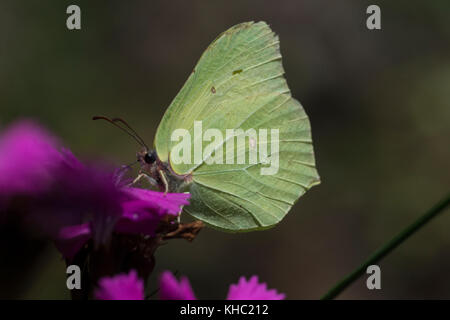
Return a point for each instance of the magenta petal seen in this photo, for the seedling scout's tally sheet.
(252, 290)
(172, 289)
(143, 210)
(72, 238)
(120, 287)
(161, 203)
(27, 152)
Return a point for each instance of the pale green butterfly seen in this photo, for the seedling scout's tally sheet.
(238, 83)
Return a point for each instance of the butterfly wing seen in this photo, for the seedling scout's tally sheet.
(238, 83)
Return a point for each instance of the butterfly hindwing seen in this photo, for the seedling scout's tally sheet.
(238, 83)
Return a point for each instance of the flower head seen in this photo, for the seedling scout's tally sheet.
(129, 287)
(72, 202)
(252, 290)
(172, 289)
(140, 213)
(120, 287)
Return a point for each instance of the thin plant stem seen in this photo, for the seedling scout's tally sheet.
(387, 248)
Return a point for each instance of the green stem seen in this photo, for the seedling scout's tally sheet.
(387, 248)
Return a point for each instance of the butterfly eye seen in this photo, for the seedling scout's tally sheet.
(150, 157)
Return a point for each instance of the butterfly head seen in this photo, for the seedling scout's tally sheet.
(146, 157)
(151, 166)
(158, 172)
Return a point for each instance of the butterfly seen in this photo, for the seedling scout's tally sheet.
(234, 137)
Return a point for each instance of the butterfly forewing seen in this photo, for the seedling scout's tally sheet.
(238, 83)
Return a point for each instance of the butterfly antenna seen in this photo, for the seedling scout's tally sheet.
(131, 134)
(131, 129)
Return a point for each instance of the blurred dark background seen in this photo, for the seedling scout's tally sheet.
(378, 103)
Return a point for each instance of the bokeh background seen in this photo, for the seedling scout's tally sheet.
(378, 103)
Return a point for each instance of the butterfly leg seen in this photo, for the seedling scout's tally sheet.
(164, 180)
(145, 176)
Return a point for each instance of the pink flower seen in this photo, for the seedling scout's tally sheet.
(171, 289)
(141, 212)
(72, 202)
(252, 290)
(120, 287)
(129, 287)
